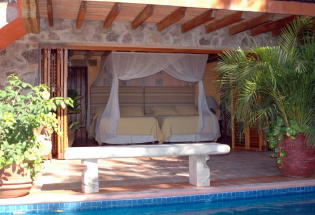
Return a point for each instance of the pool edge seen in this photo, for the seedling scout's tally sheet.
(103, 201)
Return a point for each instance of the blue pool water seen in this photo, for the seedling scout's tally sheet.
(289, 204)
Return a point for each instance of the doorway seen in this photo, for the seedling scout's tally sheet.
(77, 115)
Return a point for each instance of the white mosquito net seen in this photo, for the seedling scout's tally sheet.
(130, 65)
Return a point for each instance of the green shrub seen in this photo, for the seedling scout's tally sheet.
(23, 109)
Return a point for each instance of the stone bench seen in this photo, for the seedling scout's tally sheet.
(199, 172)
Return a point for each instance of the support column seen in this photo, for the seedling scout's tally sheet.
(90, 182)
(199, 172)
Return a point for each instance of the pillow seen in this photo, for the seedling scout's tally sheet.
(163, 110)
(131, 111)
(186, 110)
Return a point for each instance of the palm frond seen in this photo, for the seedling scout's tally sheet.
(272, 81)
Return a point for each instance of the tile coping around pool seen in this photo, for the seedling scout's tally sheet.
(155, 199)
(170, 196)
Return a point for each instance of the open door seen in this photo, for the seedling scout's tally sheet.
(54, 72)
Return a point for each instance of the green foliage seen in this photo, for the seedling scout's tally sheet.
(74, 109)
(74, 126)
(276, 132)
(274, 85)
(23, 109)
(73, 94)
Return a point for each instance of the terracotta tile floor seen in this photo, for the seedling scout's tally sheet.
(156, 177)
(153, 174)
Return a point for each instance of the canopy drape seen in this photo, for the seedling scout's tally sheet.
(130, 65)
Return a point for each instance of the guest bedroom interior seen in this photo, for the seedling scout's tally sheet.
(141, 97)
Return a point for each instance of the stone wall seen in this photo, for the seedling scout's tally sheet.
(22, 57)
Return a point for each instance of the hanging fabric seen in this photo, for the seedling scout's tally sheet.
(129, 65)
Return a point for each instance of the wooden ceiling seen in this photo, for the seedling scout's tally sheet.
(162, 16)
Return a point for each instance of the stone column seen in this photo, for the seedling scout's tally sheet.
(90, 182)
(199, 172)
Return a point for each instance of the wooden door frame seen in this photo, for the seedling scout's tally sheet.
(55, 79)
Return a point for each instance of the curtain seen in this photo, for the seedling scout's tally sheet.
(129, 65)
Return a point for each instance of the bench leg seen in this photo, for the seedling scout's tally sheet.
(199, 172)
(90, 182)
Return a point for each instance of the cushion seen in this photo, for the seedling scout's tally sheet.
(164, 110)
(131, 111)
(186, 110)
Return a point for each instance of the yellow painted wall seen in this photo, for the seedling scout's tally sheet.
(92, 70)
(210, 81)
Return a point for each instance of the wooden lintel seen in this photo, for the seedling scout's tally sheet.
(223, 22)
(50, 13)
(142, 16)
(113, 13)
(249, 24)
(171, 19)
(270, 26)
(81, 14)
(30, 15)
(134, 48)
(199, 20)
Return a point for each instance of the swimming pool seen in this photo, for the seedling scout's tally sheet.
(298, 200)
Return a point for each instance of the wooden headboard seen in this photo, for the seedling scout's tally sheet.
(143, 96)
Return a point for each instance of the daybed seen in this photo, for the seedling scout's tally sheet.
(112, 126)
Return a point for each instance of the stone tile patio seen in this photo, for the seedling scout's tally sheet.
(133, 174)
(156, 177)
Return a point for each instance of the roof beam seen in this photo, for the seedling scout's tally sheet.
(113, 13)
(270, 26)
(223, 22)
(171, 19)
(142, 16)
(249, 24)
(50, 13)
(276, 32)
(81, 14)
(263, 6)
(199, 20)
(30, 15)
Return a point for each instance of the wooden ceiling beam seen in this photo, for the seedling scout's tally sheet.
(142, 16)
(305, 8)
(171, 19)
(270, 26)
(223, 22)
(249, 24)
(278, 31)
(113, 13)
(81, 14)
(199, 20)
(30, 16)
(50, 13)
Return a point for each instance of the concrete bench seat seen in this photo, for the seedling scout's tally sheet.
(199, 172)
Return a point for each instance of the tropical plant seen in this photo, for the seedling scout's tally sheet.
(274, 86)
(23, 109)
(75, 108)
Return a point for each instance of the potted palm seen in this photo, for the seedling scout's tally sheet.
(275, 91)
(25, 111)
